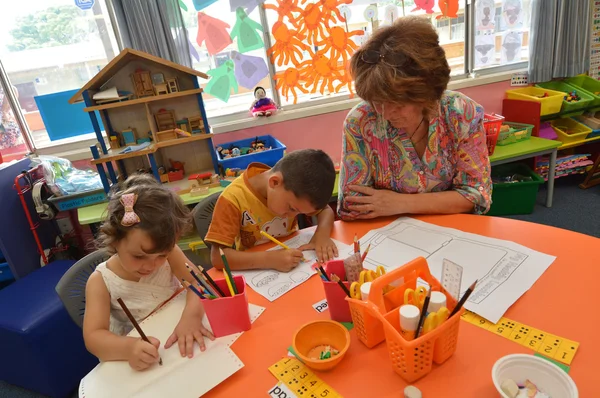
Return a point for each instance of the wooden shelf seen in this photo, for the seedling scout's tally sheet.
(113, 155)
(143, 100)
(577, 143)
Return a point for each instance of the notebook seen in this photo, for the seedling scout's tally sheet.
(178, 377)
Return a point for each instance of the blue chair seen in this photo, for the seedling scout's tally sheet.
(41, 348)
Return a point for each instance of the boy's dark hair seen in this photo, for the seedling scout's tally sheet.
(309, 174)
(163, 216)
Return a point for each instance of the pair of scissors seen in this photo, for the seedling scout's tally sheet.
(435, 319)
(415, 297)
(366, 275)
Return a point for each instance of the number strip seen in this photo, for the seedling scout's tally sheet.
(301, 380)
(549, 345)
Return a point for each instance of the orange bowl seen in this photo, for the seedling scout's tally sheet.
(310, 337)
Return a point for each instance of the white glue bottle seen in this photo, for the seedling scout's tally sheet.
(365, 288)
(409, 320)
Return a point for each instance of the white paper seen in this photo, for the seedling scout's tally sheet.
(512, 42)
(504, 270)
(485, 51)
(486, 14)
(321, 306)
(207, 369)
(512, 14)
(272, 284)
(280, 390)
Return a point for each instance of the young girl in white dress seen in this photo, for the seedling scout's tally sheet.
(144, 222)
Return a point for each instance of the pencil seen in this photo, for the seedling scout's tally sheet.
(365, 253)
(136, 325)
(355, 243)
(228, 276)
(423, 313)
(210, 280)
(321, 274)
(337, 279)
(191, 271)
(324, 273)
(208, 286)
(463, 299)
(201, 282)
(272, 239)
(192, 288)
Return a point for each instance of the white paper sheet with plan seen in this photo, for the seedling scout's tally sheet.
(272, 284)
(504, 270)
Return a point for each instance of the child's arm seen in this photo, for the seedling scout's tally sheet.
(321, 241)
(104, 344)
(189, 328)
(281, 260)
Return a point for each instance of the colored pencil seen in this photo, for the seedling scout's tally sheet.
(355, 243)
(365, 253)
(281, 244)
(228, 276)
(321, 274)
(208, 285)
(423, 313)
(324, 273)
(463, 299)
(136, 325)
(210, 280)
(192, 288)
(202, 281)
(358, 246)
(191, 271)
(337, 279)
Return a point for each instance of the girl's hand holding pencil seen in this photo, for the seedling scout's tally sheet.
(144, 354)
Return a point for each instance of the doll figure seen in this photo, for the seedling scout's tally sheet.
(235, 152)
(262, 106)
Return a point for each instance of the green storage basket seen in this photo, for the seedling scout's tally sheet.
(585, 101)
(518, 132)
(514, 198)
(588, 84)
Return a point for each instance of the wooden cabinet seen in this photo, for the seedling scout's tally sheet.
(142, 83)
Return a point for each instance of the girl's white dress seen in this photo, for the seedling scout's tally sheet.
(141, 298)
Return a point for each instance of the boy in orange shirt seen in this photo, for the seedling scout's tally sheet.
(269, 200)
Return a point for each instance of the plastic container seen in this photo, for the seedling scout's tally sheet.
(75, 201)
(339, 310)
(585, 101)
(268, 157)
(321, 333)
(414, 359)
(5, 273)
(548, 377)
(492, 124)
(517, 197)
(589, 84)
(548, 105)
(570, 130)
(517, 132)
(546, 131)
(228, 315)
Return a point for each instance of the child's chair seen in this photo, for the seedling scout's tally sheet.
(202, 218)
(71, 287)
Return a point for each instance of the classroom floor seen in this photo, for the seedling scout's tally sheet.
(573, 209)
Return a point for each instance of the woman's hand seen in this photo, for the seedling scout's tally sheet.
(373, 203)
(188, 330)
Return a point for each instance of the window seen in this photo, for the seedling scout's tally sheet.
(52, 46)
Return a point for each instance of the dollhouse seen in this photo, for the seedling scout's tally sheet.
(153, 116)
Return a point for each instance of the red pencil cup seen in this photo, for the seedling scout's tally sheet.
(229, 315)
(336, 297)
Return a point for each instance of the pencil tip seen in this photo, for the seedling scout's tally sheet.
(160, 361)
(221, 251)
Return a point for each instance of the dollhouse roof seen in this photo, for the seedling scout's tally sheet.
(118, 62)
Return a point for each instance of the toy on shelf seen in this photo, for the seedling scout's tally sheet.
(572, 97)
(262, 105)
(142, 83)
(233, 172)
(183, 125)
(162, 172)
(168, 135)
(199, 191)
(129, 135)
(173, 85)
(176, 165)
(158, 78)
(111, 95)
(114, 142)
(165, 120)
(235, 152)
(196, 124)
(161, 89)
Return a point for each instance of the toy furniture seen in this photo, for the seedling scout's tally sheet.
(142, 83)
(42, 349)
(139, 72)
(129, 136)
(161, 89)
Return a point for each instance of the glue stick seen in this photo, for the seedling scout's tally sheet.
(365, 288)
(409, 320)
(437, 301)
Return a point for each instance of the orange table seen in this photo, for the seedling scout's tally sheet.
(367, 373)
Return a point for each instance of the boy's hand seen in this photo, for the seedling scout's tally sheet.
(285, 260)
(188, 330)
(143, 354)
(324, 247)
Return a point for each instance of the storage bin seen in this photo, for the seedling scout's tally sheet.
(589, 84)
(548, 105)
(517, 197)
(492, 124)
(569, 130)
(5, 273)
(268, 157)
(517, 132)
(585, 101)
(70, 202)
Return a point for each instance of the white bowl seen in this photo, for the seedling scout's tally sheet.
(548, 377)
